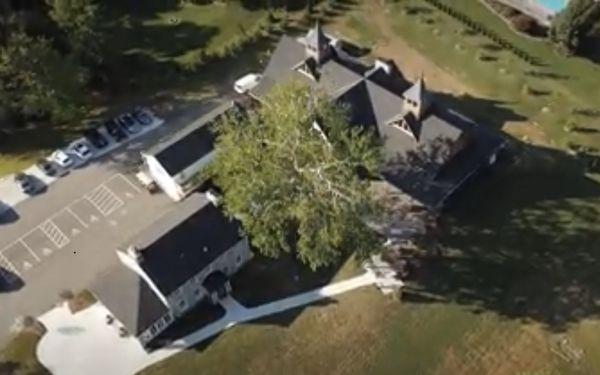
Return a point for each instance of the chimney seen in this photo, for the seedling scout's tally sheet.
(383, 65)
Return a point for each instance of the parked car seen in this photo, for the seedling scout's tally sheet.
(81, 150)
(47, 167)
(115, 130)
(247, 83)
(62, 159)
(128, 123)
(25, 182)
(142, 116)
(95, 138)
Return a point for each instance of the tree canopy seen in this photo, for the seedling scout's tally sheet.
(47, 48)
(294, 188)
(570, 25)
(80, 21)
(35, 78)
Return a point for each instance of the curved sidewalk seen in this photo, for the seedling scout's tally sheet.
(84, 344)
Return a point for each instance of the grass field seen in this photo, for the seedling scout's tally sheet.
(548, 93)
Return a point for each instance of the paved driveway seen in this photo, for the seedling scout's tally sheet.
(84, 344)
(67, 236)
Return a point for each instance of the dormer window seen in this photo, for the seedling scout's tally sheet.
(309, 68)
(406, 123)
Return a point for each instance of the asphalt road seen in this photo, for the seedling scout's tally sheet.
(66, 237)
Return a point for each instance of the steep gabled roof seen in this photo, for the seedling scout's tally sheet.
(129, 298)
(316, 37)
(182, 243)
(189, 144)
(389, 77)
(417, 92)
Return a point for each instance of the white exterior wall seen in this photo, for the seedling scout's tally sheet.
(154, 330)
(167, 183)
(192, 291)
(173, 186)
(184, 176)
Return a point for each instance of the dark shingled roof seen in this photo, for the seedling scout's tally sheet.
(190, 144)
(425, 173)
(129, 298)
(316, 37)
(375, 97)
(184, 242)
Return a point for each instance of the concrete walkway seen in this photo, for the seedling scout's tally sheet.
(85, 344)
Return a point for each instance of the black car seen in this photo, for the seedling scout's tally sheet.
(142, 117)
(128, 123)
(25, 182)
(115, 130)
(47, 167)
(95, 138)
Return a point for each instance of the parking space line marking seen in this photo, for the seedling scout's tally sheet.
(9, 264)
(30, 250)
(104, 199)
(76, 217)
(137, 189)
(54, 233)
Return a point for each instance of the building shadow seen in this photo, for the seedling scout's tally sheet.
(488, 112)
(521, 241)
(288, 317)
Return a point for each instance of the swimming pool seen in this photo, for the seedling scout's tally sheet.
(554, 5)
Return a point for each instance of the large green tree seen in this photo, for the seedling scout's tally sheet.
(294, 188)
(35, 78)
(80, 20)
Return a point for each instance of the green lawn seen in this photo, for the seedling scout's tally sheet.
(562, 84)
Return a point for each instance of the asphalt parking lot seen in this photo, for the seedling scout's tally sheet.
(105, 203)
(66, 238)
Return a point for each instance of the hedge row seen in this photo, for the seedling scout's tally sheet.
(477, 26)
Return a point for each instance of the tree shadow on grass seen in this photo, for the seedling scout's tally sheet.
(523, 242)
(488, 112)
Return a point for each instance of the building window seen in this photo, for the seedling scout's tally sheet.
(238, 259)
(182, 304)
(197, 292)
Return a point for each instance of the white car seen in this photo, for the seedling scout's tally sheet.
(81, 150)
(62, 158)
(247, 83)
